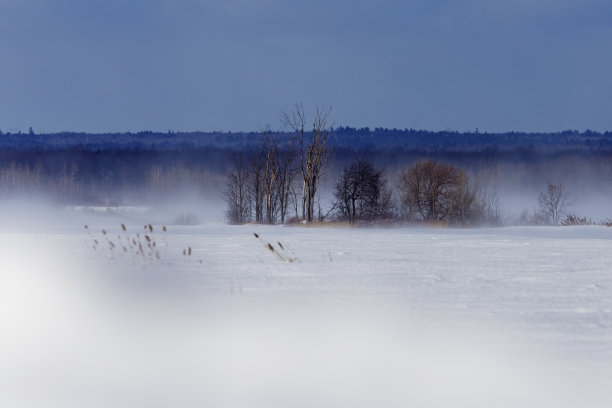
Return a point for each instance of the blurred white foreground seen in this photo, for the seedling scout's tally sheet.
(512, 317)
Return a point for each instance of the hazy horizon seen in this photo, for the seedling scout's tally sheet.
(284, 130)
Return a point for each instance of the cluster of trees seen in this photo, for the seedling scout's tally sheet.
(261, 184)
(429, 191)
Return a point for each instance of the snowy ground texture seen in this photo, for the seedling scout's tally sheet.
(341, 317)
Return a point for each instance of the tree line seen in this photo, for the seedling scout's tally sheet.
(339, 137)
(427, 191)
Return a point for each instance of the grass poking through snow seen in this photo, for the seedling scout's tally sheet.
(281, 254)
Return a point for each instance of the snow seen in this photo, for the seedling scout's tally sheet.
(394, 316)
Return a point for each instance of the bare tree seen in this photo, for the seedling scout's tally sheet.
(270, 177)
(285, 177)
(312, 151)
(387, 209)
(461, 200)
(553, 203)
(358, 192)
(236, 190)
(345, 195)
(256, 184)
(488, 210)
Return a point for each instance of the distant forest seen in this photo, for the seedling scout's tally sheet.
(379, 139)
(146, 167)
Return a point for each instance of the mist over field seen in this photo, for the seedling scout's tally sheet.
(189, 172)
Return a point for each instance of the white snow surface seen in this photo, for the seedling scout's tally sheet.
(342, 317)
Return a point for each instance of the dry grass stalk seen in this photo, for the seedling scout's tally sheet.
(140, 248)
(281, 255)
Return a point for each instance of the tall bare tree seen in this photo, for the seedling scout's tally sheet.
(260, 183)
(236, 190)
(256, 184)
(487, 208)
(285, 177)
(270, 177)
(313, 152)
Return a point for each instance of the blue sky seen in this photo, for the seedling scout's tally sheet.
(128, 65)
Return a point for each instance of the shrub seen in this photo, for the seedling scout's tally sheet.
(573, 219)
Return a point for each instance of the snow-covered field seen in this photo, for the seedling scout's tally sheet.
(340, 317)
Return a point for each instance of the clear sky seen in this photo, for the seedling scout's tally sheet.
(128, 65)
